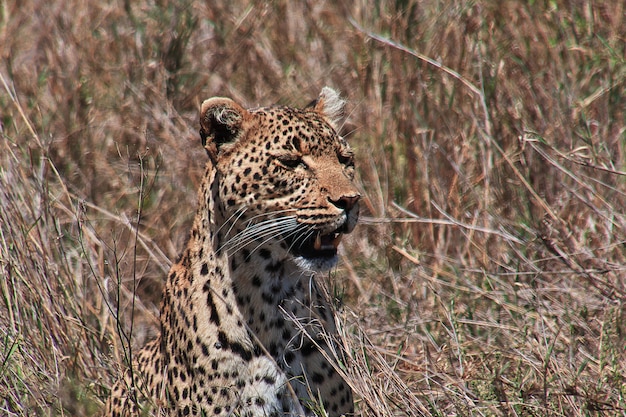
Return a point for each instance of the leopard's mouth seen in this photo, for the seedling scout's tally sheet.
(318, 245)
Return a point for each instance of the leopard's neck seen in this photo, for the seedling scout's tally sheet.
(259, 282)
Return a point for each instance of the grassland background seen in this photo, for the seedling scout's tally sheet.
(488, 274)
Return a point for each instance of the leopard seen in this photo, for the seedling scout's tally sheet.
(247, 325)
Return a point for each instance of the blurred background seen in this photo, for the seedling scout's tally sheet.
(487, 276)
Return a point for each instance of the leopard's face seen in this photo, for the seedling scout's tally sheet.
(287, 179)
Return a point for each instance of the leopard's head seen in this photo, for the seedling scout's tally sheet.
(285, 177)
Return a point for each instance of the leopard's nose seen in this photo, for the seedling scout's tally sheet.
(345, 202)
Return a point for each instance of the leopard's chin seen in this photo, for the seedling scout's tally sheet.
(317, 264)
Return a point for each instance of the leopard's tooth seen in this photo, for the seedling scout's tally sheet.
(317, 245)
(337, 240)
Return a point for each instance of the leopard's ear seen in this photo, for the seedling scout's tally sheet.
(330, 105)
(221, 123)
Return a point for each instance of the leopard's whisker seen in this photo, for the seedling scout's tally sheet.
(275, 214)
(254, 229)
(258, 231)
(301, 235)
(236, 216)
(251, 226)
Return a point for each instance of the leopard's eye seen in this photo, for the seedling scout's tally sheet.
(291, 161)
(346, 159)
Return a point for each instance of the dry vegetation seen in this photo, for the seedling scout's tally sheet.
(488, 275)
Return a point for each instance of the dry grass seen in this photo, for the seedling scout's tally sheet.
(488, 274)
